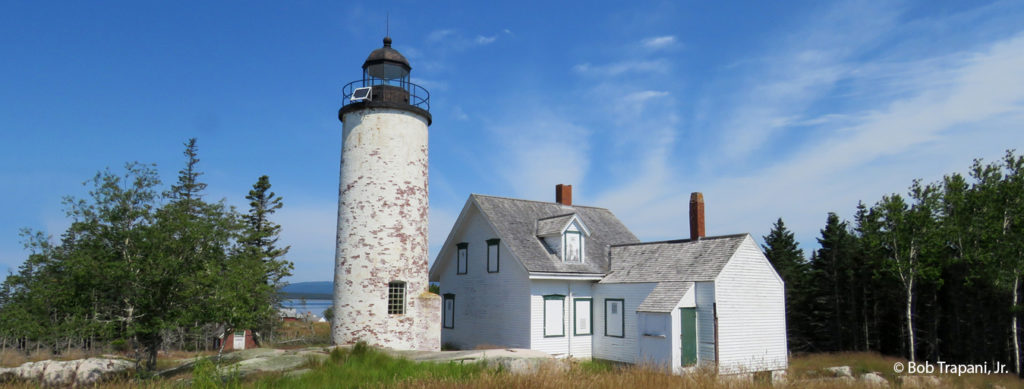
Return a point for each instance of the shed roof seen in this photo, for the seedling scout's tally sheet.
(516, 223)
(674, 260)
(664, 297)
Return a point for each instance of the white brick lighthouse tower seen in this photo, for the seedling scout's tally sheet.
(380, 273)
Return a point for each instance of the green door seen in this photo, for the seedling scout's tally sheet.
(688, 317)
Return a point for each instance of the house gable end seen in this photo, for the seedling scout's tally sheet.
(447, 254)
(749, 246)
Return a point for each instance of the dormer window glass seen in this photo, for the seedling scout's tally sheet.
(572, 244)
(564, 237)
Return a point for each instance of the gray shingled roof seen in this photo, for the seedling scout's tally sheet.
(677, 260)
(516, 224)
(552, 225)
(664, 297)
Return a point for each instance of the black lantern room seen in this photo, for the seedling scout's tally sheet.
(385, 83)
(387, 65)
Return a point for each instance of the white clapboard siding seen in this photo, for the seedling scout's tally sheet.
(704, 296)
(688, 301)
(655, 338)
(623, 349)
(490, 308)
(751, 313)
(578, 346)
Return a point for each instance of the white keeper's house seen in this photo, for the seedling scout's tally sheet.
(572, 280)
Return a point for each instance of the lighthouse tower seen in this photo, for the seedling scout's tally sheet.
(380, 273)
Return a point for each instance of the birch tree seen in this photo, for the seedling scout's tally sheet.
(904, 234)
(1000, 188)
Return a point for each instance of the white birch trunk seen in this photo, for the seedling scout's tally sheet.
(910, 316)
(1016, 300)
(1013, 326)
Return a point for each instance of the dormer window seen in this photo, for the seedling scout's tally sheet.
(572, 244)
(564, 236)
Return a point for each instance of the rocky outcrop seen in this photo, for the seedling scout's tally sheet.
(874, 380)
(277, 362)
(515, 361)
(82, 372)
(921, 381)
(840, 371)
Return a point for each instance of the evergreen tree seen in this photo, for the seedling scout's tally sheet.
(248, 290)
(262, 233)
(830, 283)
(133, 270)
(781, 248)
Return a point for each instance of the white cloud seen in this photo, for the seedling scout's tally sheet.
(970, 109)
(535, 154)
(658, 66)
(784, 81)
(659, 42)
(431, 85)
(439, 35)
(451, 39)
(459, 113)
(642, 96)
(485, 40)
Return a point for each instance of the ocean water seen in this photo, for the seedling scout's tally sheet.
(308, 305)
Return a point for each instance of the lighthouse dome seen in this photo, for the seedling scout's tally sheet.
(387, 63)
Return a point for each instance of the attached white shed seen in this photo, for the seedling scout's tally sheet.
(714, 299)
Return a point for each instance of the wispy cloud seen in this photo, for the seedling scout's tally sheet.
(485, 40)
(540, 151)
(452, 39)
(659, 42)
(459, 113)
(939, 126)
(439, 35)
(784, 81)
(657, 66)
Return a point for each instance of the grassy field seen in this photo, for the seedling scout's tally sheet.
(365, 367)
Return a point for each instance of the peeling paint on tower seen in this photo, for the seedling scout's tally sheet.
(382, 212)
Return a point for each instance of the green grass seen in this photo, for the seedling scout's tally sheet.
(364, 366)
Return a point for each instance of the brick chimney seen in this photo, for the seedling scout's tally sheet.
(696, 215)
(563, 194)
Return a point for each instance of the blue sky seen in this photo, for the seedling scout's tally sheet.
(771, 109)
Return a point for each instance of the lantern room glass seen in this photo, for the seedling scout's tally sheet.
(387, 74)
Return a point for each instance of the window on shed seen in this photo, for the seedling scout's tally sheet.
(448, 321)
(554, 315)
(462, 258)
(396, 298)
(614, 318)
(492, 255)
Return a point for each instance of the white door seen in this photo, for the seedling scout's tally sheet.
(239, 343)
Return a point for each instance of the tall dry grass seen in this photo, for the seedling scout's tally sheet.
(12, 358)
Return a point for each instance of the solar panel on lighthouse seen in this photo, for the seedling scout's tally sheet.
(361, 94)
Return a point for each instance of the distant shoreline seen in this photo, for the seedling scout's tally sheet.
(307, 296)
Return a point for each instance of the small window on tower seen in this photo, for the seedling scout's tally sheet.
(396, 298)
